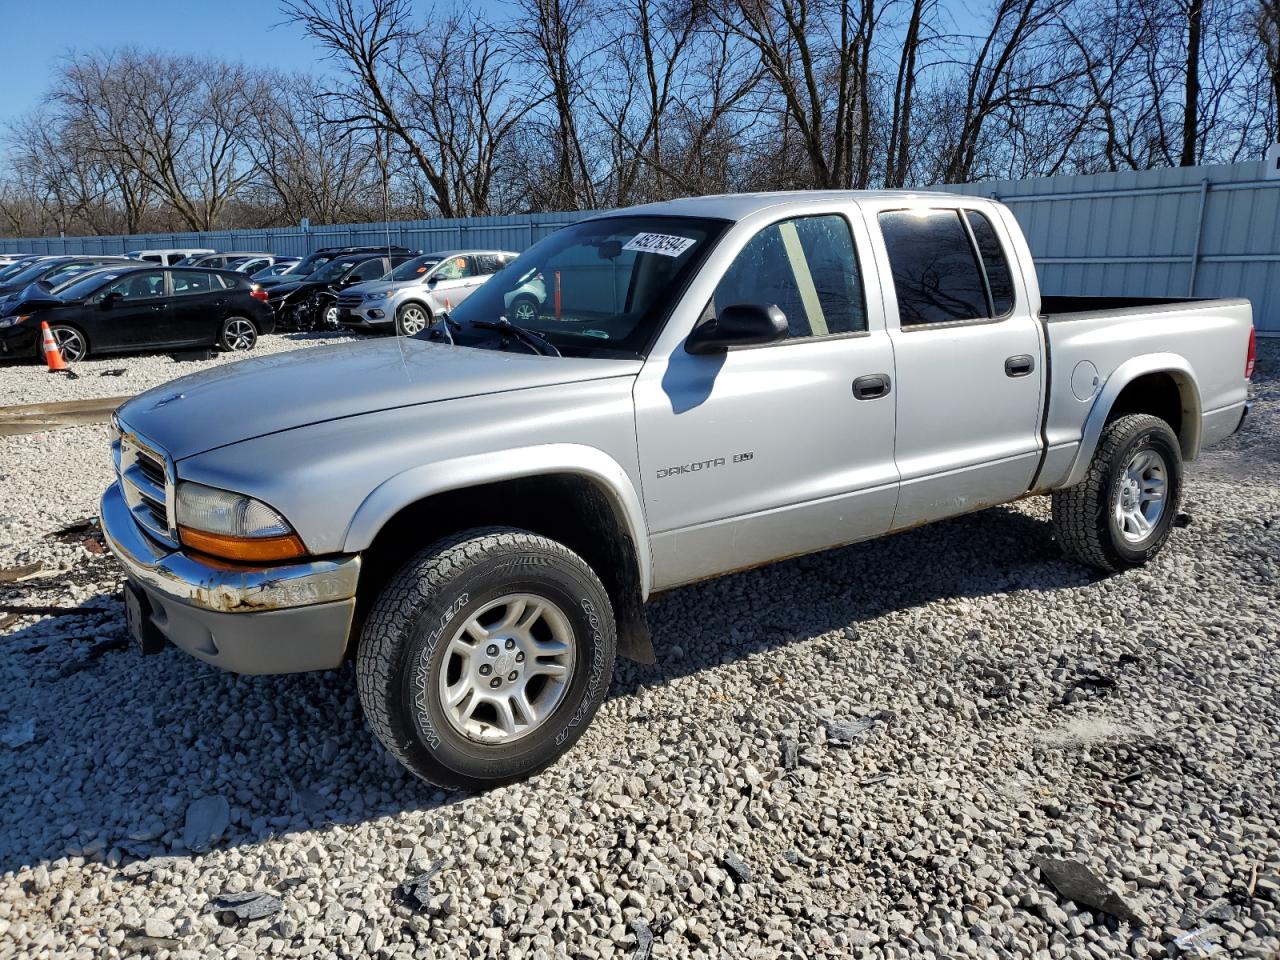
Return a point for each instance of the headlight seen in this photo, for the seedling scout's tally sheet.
(233, 526)
(374, 296)
(12, 321)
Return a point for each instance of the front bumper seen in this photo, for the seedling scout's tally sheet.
(20, 340)
(367, 316)
(283, 619)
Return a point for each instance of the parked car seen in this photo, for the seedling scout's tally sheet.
(724, 381)
(252, 264)
(310, 302)
(21, 264)
(52, 271)
(414, 293)
(167, 257)
(276, 270)
(219, 261)
(7, 259)
(314, 261)
(140, 308)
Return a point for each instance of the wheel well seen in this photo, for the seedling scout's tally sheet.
(1163, 396)
(422, 303)
(63, 323)
(567, 508)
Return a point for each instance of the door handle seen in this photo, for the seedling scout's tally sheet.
(158, 306)
(871, 387)
(1019, 366)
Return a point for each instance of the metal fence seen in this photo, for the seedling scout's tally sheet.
(1191, 231)
(499, 233)
(1209, 231)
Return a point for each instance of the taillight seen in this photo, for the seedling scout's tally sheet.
(1252, 355)
(258, 294)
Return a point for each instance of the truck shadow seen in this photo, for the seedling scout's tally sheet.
(121, 747)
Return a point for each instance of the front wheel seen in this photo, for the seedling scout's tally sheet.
(72, 344)
(238, 334)
(485, 657)
(1121, 514)
(411, 318)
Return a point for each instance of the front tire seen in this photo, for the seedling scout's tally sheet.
(485, 657)
(524, 310)
(238, 334)
(73, 344)
(1120, 515)
(412, 318)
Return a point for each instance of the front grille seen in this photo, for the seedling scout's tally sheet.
(147, 485)
(349, 301)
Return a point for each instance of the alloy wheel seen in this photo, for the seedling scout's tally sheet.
(241, 335)
(70, 343)
(507, 668)
(1140, 499)
(412, 320)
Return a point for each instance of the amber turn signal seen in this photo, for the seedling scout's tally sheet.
(243, 549)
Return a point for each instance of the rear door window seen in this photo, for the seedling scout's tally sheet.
(935, 272)
(188, 282)
(808, 269)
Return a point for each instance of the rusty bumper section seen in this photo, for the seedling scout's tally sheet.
(281, 619)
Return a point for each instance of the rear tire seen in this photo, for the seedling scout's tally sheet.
(1120, 515)
(477, 620)
(238, 334)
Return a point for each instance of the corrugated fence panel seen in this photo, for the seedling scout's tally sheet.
(501, 233)
(1198, 231)
(1204, 231)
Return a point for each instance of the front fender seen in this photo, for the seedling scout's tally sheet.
(1171, 363)
(418, 483)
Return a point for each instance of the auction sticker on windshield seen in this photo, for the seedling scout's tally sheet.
(663, 243)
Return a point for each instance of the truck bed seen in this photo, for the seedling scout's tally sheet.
(1057, 307)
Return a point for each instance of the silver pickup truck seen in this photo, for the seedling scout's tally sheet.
(477, 514)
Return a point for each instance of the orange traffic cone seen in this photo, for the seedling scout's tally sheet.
(52, 355)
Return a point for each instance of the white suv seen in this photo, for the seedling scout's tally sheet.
(411, 296)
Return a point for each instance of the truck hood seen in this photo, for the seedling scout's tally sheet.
(256, 397)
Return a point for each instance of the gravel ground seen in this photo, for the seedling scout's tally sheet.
(30, 382)
(883, 751)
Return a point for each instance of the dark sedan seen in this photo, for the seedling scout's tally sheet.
(141, 307)
(311, 302)
(53, 271)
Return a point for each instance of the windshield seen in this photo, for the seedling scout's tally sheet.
(333, 270)
(189, 261)
(65, 283)
(412, 269)
(84, 286)
(31, 273)
(600, 288)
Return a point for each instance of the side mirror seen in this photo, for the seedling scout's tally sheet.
(738, 325)
(111, 299)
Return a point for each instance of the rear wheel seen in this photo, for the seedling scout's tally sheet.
(411, 318)
(485, 657)
(238, 334)
(524, 310)
(1121, 514)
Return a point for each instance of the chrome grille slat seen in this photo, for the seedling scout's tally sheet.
(147, 484)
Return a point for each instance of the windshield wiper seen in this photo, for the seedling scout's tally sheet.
(538, 344)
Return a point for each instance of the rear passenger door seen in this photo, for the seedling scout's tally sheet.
(968, 356)
(197, 307)
(769, 451)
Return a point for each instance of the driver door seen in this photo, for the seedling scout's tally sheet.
(765, 452)
(139, 319)
(452, 280)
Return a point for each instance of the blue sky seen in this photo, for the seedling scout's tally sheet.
(34, 34)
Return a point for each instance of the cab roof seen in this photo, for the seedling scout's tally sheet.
(738, 206)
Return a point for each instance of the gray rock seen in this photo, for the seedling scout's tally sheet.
(1075, 881)
(233, 908)
(736, 866)
(207, 819)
